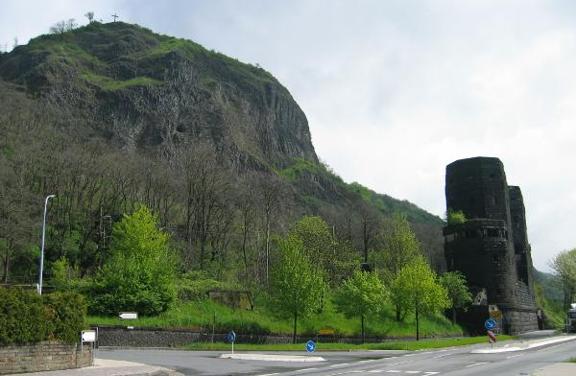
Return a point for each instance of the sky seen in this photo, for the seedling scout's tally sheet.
(395, 90)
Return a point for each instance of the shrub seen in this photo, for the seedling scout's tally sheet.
(66, 315)
(196, 285)
(26, 317)
(21, 317)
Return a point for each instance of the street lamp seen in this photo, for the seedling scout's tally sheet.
(43, 239)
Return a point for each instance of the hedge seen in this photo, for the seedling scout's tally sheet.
(26, 317)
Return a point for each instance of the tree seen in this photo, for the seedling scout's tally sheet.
(564, 266)
(400, 247)
(140, 274)
(416, 288)
(458, 293)
(295, 289)
(362, 295)
(90, 16)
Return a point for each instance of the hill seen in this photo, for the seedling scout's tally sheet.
(110, 115)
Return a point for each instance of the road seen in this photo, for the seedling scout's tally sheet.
(454, 362)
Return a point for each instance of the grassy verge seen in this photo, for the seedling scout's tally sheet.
(396, 345)
(204, 315)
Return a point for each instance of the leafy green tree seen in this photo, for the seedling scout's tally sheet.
(140, 274)
(327, 255)
(564, 266)
(361, 295)
(295, 289)
(416, 288)
(457, 290)
(400, 248)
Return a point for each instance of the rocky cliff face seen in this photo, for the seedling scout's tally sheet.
(148, 95)
(143, 90)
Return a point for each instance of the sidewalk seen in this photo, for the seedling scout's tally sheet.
(558, 369)
(106, 367)
(521, 345)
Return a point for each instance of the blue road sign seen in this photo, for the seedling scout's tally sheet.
(490, 324)
(310, 346)
(231, 337)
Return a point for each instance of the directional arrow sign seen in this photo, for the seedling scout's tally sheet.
(231, 337)
(490, 324)
(128, 315)
(310, 346)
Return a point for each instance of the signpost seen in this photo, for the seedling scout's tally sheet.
(310, 346)
(490, 324)
(231, 337)
(90, 337)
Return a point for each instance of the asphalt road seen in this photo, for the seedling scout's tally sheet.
(453, 362)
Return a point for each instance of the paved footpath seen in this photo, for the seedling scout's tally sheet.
(106, 367)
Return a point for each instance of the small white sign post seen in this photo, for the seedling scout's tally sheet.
(90, 337)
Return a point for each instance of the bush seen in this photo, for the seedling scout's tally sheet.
(21, 317)
(26, 317)
(66, 315)
(196, 285)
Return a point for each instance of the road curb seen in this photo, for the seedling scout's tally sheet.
(273, 358)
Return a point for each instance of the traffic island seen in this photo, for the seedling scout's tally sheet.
(273, 357)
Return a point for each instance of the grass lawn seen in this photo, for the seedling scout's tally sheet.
(395, 345)
(203, 315)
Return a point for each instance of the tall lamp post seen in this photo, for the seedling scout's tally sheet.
(43, 240)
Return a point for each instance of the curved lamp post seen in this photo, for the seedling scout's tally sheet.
(43, 239)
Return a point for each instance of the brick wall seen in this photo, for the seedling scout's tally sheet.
(44, 356)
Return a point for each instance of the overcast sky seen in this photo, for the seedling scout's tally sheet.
(396, 90)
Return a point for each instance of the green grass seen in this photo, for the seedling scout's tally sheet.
(571, 360)
(393, 345)
(200, 315)
(108, 83)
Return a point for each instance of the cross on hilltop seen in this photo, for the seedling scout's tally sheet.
(114, 16)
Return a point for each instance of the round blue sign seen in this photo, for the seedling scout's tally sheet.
(490, 324)
(231, 337)
(310, 346)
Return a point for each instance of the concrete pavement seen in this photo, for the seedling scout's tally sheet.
(107, 367)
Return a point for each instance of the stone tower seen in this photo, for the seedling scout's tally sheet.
(491, 247)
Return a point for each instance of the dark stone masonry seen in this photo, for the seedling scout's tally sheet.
(491, 247)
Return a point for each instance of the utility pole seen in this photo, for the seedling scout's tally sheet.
(43, 241)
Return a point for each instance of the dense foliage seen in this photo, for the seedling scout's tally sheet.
(139, 276)
(26, 317)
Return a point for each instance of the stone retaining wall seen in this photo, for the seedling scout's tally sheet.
(145, 337)
(44, 356)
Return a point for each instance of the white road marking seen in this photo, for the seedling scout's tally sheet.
(393, 371)
(367, 361)
(270, 374)
(476, 364)
(413, 372)
(514, 356)
(430, 373)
